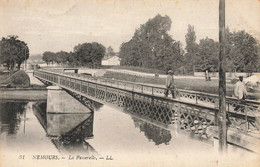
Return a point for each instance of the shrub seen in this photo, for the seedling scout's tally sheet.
(18, 79)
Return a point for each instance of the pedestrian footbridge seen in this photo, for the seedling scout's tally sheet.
(191, 111)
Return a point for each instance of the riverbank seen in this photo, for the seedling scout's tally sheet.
(23, 94)
(36, 91)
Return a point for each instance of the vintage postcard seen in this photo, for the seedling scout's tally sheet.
(134, 83)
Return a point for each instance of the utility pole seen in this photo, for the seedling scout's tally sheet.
(222, 80)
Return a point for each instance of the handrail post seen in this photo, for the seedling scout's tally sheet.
(95, 90)
(105, 98)
(246, 127)
(117, 97)
(178, 116)
(87, 88)
(58, 79)
(80, 86)
(228, 106)
(133, 98)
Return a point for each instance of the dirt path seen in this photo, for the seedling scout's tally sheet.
(34, 81)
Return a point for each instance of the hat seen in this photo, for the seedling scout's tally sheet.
(240, 78)
(170, 72)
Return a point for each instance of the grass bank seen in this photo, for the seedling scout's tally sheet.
(195, 84)
(17, 81)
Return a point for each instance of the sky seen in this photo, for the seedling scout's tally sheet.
(55, 25)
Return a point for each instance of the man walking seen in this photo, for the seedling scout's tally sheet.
(240, 93)
(240, 89)
(170, 84)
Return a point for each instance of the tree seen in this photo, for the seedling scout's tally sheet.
(208, 55)
(48, 57)
(151, 46)
(90, 54)
(13, 51)
(86, 54)
(72, 59)
(97, 54)
(190, 39)
(191, 48)
(241, 49)
(258, 60)
(24, 53)
(130, 54)
(61, 57)
(109, 53)
(243, 52)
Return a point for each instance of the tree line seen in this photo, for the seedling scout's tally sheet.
(152, 47)
(86, 54)
(242, 52)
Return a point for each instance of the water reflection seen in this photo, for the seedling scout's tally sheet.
(116, 133)
(11, 116)
(69, 131)
(75, 147)
(152, 132)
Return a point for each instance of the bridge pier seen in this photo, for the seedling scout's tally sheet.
(64, 112)
(53, 99)
(59, 101)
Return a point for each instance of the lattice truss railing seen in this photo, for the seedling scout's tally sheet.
(200, 98)
(82, 99)
(196, 119)
(154, 109)
(243, 116)
(197, 98)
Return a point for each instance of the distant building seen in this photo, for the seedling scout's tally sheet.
(112, 61)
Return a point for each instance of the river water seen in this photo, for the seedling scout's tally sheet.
(111, 138)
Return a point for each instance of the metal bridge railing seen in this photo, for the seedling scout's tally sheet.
(192, 96)
(242, 115)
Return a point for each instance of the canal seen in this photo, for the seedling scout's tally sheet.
(106, 137)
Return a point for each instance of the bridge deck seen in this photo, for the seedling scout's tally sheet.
(194, 110)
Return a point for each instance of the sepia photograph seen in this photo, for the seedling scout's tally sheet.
(129, 83)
